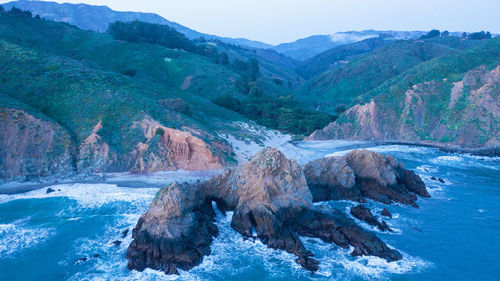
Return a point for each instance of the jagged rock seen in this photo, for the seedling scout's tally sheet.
(269, 195)
(362, 213)
(175, 232)
(125, 233)
(117, 243)
(440, 180)
(50, 190)
(362, 174)
(386, 213)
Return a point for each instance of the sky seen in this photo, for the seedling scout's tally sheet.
(277, 21)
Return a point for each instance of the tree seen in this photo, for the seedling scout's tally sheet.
(445, 33)
(433, 33)
(464, 35)
(141, 32)
(479, 35)
(2, 9)
(20, 13)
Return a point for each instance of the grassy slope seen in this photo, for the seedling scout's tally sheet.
(437, 77)
(342, 86)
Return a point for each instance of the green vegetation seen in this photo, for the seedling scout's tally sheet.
(281, 113)
(343, 85)
(152, 70)
(137, 31)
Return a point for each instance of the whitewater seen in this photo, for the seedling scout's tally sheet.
(81, 230)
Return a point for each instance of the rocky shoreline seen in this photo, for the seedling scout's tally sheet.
(272, 198)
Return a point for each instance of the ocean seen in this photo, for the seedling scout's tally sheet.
(70, 234)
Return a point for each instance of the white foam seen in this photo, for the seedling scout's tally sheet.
(88, 195)
(18, 236)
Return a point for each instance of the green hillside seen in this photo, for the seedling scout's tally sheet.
(451, 101)
(339, 87)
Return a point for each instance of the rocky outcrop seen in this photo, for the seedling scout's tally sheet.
(32, 147)
(463, 115)
(175, 232)
(94, 154)
(169, 149)
(269, 197)
(362, 213)
(362, 174)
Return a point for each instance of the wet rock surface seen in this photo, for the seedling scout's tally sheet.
(362, 174)
(386, 213)
(269, 197)
(175, 232)
(362, 213)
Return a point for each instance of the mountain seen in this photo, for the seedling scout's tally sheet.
(97, 18)
(451, 102)
(340, 55)
(307, 48)
(76, 101)
(339, 87)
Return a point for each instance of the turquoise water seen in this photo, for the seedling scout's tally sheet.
(453, 236)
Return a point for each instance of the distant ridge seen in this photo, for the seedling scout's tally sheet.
(97, 18)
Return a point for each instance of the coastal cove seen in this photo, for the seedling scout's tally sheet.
(73, 232)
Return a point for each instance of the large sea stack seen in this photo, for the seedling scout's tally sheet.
(270, 198)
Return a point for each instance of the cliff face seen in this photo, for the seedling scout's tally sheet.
(461, 114)
(32, 147)
(169, 149)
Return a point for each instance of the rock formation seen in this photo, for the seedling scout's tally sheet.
(175, 232)
(362, 213)
(268, 195)
(462, 115)
(169, 149)
(362, 174)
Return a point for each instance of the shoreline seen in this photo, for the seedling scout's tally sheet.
(487, 152)
(123, 179)
(162, 178)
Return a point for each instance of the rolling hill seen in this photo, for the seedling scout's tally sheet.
(97, 18)
(451, 102)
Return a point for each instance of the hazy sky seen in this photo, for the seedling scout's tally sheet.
(275, 21)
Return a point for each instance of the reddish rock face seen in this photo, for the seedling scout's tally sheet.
(32, 147)
(362, 174)
(170, 149)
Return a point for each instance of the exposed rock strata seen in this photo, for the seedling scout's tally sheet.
(362, 174)
(269, 196)
(170, 149)
(32, 147)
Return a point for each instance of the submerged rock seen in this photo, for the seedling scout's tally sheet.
(362, 174)
(269, 195)
(362, 213)
(386, 213)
